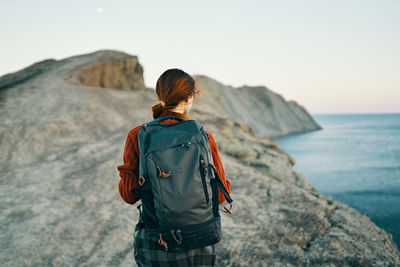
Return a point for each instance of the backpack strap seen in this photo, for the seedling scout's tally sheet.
(218, 184)
(221, 186)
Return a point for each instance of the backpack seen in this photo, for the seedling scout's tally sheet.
(178, 185)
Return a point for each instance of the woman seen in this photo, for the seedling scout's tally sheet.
(176, 90)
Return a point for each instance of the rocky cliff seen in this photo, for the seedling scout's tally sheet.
(268, 114)
(112, 70)
(61, 142)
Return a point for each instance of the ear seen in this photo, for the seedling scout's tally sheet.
(189, 99)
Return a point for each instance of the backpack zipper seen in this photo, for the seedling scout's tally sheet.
(187, 144)
(203, 179)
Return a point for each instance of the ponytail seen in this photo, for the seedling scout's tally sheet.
(157, 110)
(173, 86)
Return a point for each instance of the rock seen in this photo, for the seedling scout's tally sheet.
(268, 114)
(113, 70)
(13, 79)
(61, 142)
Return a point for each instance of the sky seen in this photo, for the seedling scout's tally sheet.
(339, 56)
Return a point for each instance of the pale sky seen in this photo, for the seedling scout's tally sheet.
(331, 56)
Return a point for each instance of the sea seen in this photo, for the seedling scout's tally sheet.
(354, 159)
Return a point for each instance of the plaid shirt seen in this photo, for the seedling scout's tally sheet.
(148, 253)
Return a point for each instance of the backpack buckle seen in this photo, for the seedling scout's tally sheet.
(162, 243)
(162, 173)
(141, 180)
(178, 237)
(227, 210)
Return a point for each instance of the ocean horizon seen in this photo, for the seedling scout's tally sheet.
(354, 159)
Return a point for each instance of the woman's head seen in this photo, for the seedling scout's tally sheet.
(174, 87)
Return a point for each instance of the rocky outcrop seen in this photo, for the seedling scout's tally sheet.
(266, 112)
(61, 142)
(115, 70)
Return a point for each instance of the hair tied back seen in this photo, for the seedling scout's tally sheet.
(157, 110)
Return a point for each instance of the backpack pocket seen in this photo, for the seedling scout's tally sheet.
(179, 185)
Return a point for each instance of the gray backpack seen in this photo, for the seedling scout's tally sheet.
(178, 185)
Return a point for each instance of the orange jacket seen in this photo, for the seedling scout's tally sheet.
(129, 171)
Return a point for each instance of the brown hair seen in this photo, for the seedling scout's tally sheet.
(174, 86)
